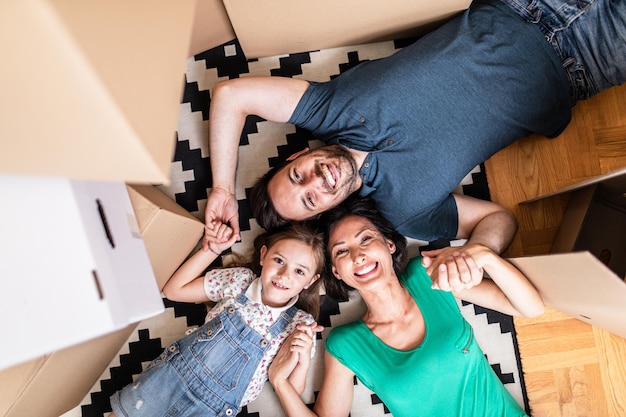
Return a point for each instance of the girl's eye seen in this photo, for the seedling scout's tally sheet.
(279, 261)
(300, 271)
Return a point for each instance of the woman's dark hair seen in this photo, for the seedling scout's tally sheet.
(261, 204)
(363, 207)
(307, 233)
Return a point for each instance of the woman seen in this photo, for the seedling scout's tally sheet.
(412, 346)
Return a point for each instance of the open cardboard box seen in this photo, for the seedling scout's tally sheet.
(584, 275)
(595, 219)
(55, 383)
(91, 90)
(169, 231)
(277, 27)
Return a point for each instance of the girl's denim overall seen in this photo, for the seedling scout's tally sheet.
(204, 374)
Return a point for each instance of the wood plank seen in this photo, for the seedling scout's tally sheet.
(589, 378)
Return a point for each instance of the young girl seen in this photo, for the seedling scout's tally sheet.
(222, 366)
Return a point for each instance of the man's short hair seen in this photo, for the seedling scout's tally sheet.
(261, 204)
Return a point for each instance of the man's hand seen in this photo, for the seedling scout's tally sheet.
(453, 268)
(221, 208)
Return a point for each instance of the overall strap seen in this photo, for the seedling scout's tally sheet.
(285, 318)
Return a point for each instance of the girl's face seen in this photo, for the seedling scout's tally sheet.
(360, 253)
(288, 267)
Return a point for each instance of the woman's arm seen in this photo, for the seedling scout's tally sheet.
(507, 290)
(272, 98)
(187, 283)
(335, 396)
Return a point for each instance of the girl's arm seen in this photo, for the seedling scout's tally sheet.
(301, 344)
(187, 283)
(335, 396)
(507, 290)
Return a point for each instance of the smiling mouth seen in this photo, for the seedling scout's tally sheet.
(279, 286)
(327, 175)
(366, 269)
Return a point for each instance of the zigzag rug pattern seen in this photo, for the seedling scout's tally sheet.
(262, 145)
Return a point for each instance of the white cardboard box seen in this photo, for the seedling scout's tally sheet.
(74, 265)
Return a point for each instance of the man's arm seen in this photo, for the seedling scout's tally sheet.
(272, 98)
(485, 222)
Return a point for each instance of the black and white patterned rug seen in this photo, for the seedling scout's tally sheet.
(262, 145)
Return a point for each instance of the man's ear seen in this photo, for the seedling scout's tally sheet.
(297, 154)
(262, 254)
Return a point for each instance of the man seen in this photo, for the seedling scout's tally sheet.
(439, 107)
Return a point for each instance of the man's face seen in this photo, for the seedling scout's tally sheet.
(314, 182)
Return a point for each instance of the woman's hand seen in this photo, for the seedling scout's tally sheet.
(455, 268)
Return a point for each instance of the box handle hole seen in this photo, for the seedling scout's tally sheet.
(105, 223)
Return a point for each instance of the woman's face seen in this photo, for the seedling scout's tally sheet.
(359, 253)
(288, 267)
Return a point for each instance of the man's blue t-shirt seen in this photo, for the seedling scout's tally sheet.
(433, 111)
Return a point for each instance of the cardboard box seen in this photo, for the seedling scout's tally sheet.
(74, 264)
(595, 221)
(91, 90)
(53, 384)
(33, 388)
(276, 27)
(169, 231)
(211, 26)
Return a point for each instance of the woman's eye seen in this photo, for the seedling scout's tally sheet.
(297, 176)
(340, 252)
(366, 238)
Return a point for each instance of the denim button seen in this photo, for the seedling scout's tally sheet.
(263, 343)
(362, 119)
(209, 332)
(231, 310)
(172, 348)
(229, 412)
(390, 142)
(367, 164)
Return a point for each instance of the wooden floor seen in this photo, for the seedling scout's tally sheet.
(570, 368)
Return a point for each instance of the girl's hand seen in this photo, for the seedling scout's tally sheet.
(218, 237)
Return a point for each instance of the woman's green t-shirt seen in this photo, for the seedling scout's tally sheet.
(447, 375)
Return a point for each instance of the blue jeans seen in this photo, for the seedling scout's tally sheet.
(588, 35)
(203, 374)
